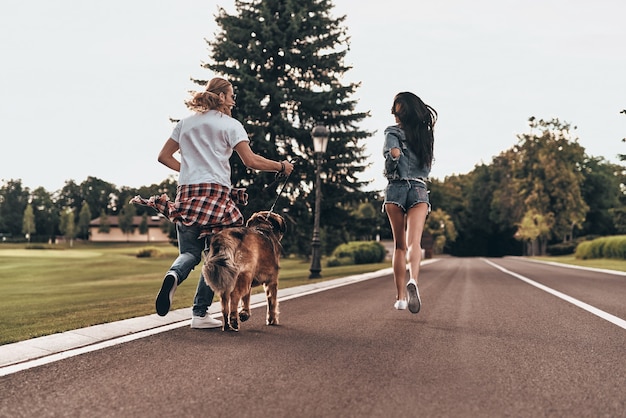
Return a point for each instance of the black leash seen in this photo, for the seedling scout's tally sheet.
(278, 177)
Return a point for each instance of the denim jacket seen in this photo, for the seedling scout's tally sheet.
(406, 166)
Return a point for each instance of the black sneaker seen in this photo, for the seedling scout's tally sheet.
(166, 294)
(415, 303)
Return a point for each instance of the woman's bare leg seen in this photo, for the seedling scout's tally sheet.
(397, 220)
(416, 218)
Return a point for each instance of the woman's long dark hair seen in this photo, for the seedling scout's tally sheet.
(417, 119)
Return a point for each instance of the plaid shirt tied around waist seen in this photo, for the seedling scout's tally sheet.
(210, 205)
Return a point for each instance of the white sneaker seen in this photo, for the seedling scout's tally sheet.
(400, 304)
(415, 303)
(202, 322)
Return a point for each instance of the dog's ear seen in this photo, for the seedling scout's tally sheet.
(257, 218)
(275, 221)
(252, 219)
(278, 223)
(282, 226)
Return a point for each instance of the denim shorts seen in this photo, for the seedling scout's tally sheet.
(406, 194)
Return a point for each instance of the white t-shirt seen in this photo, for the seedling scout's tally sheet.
(206, 142)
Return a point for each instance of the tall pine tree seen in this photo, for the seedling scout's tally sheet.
(285, 59)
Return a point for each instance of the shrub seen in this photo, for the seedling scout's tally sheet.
(357, 252)
(605, 247)
(339, 261)
(615, 247)
(563, 248)
(583, 250)
(37, 247)
(148, 252)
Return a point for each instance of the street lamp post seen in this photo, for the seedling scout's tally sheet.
(320, 135)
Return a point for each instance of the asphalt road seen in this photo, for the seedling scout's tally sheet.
(487, 343)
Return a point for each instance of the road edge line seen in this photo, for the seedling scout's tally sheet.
(591, 309)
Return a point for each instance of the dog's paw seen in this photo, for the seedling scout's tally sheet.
(244, 316)
(272, 321)
(229, 328)
(233, 322)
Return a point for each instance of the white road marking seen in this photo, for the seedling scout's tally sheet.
(591, 309)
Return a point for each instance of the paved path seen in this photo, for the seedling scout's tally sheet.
(495, 338)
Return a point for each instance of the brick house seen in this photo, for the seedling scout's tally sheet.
(115, 234)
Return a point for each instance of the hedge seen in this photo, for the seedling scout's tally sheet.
(357, 252)
(605, 247)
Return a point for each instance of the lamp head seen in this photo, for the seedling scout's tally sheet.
(320, 134)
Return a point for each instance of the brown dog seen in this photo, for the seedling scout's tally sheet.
(243, 257)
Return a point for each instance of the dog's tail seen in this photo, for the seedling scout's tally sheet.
(219, 269)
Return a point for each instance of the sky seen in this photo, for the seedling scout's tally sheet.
(87, 87)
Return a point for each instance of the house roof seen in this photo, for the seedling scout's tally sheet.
(153, 221)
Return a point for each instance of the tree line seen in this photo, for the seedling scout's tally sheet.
(37, 215)
(286, 62)
(544, 191)
(543, 195)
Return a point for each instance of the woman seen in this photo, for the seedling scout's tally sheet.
(408, 152)
(204, 200)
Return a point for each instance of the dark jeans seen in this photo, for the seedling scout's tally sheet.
(190, 254)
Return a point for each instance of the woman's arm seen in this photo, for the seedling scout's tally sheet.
(257, 162)
(166, 156)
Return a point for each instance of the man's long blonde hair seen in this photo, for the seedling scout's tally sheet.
(210, 99)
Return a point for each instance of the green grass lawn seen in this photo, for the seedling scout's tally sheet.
(45, 291)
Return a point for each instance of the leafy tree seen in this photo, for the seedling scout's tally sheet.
(46, 215)
(28, 222)
(506, 205)
(70, 196)
(124, 194)
(366, 225)
(540, 181)
(619, 219)
(13, 202)
(125, 219)
(440, 226)
(534, 229)
(285, 59)
(67, 225)
(105, 224)
(622, 157)
(143, 225)
(618, 213)
(484, 235)
(84, 218)
(452, 197)
(601, 191)
(97, 194)
(550, 175)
